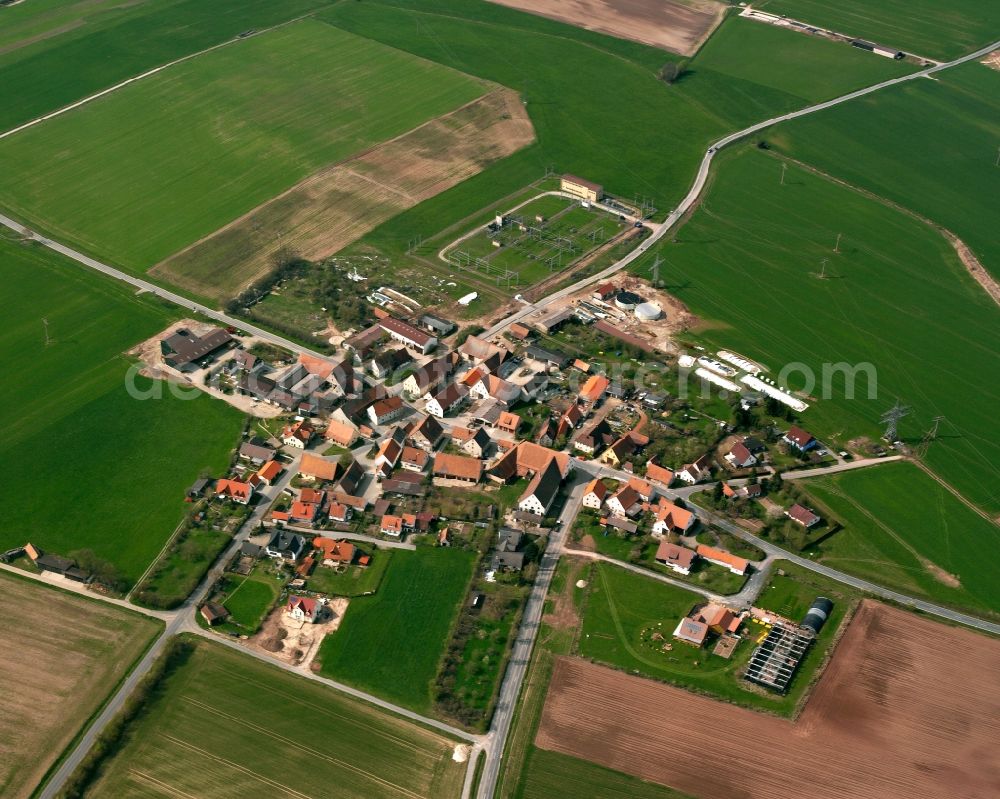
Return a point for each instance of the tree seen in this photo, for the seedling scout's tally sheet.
(670, 72)
(775, 483)
(717, 492)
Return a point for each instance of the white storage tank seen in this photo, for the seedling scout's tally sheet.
(648, 312)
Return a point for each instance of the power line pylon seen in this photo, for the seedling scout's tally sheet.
(891, 419)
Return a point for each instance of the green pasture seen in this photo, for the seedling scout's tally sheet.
(929, 145)
(98, 469)
(55, 52)
(903, 530)
(391, 643)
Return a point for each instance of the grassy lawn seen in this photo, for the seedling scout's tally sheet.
(896, 299)
(354, 580)
(623, 609)
(929, 145)
(63, 670)
(249, 599)
(390, 643)
(200, 144)
(553, 775)
(119, 466)
(53, 52)
(928, 27)
(905, 531)
(224, 721)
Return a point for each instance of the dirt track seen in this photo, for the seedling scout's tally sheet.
(679, 26)
(907, 709)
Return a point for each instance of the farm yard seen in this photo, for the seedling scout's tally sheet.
(56, 674)
(69, 414)
(628, 620)
(335, 206)
(865, 726)
(54, 52)
(902, 529)
(390, 643)
(234, 128)
(928, 145)
(927, 27)
(679, 26)
(225, 722)
(894, 297)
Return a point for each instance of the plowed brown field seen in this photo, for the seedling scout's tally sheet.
(907, 709)
(676, 25)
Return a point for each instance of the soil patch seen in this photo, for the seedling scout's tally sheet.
(905, 710)
(679, 27)
(296, 642)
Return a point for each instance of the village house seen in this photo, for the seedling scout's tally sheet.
(495, 387)
(239, 491)
(449, 400)
(645, 490)
(386, 410)
(351, 478)
(303, 609)
(594, 437)
(658, 473)
(305, 513)
(549, 359)
(677, 558)
(542, 491)
(800, 439)
(256, 451)
(625, 502)
(671, 518)
(691, 631)
(405, 483)
(739, 457)
(593, 390)
(458, 468)
(476, 443)
(800, 514)
(408, 335)
(342, 433)
(519, 331)
(414, 459)
(594, 494)
(389, 452)
(569, 420)
(269, 472)
(297, 435)
(285, 545)
(333, 553)
(527, 459)
(507, 557)
(426, 433)
(339, 512)
(213, 613)
(722, 558)
(620, 523)
(385, 363)
(624, 448)
(508, 423)
(431, 375)
(314, 467)
(695, 472)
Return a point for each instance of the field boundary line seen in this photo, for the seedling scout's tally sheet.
(163, 786)
(148, 73)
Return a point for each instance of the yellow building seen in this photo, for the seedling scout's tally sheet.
(584, 189)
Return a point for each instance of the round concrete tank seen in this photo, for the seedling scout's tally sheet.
(627, 300)
(648, 312)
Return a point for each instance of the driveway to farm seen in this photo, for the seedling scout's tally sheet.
(699, 184)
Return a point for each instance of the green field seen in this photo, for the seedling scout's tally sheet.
(897, 519)
(97, 469)
(553, 775)
(248, 599)
(928, 145)
(58, 673)
(153, 167)
(895, 296)
(933, 28)
(54, 52)
(391, 643)
(623, 609)
(803, 68)
(225, 724)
